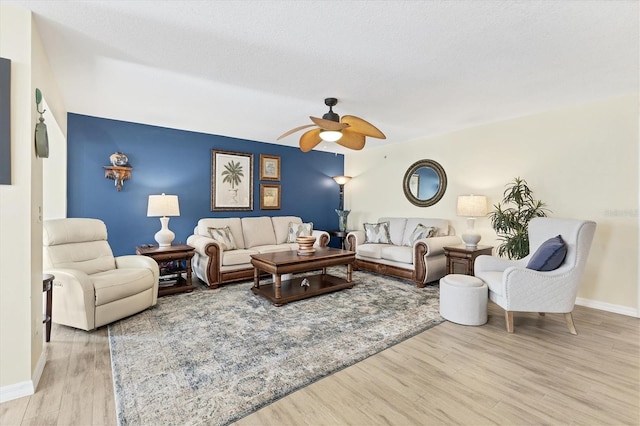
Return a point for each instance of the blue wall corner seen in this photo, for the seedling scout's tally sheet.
(179, 162)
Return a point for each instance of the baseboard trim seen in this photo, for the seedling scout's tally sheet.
(609, 307)
(26, 388)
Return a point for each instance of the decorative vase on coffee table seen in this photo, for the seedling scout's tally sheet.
(305, 245)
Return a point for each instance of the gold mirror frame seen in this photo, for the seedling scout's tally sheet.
(442, 187)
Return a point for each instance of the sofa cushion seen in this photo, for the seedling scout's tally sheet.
(396, 228)
(233, 223)
(274, 248)
(371, 250)
(395, 253)
(377, 233)
(258, 231)
(298, 230)
(420, 232)
(237, 257)
(121, 283)
(441, 224)
(549, 255)
(224, 237)
(281, 226)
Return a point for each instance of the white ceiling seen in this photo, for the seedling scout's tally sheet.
(255, 69)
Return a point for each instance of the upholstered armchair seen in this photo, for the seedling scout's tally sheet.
(91, 286)
(516, 288)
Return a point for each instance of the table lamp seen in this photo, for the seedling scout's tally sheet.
(471, 206)
(163, 206)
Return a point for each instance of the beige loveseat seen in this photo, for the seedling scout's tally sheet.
(421, 261)
(215, 264)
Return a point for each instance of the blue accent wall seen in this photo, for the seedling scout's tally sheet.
(179, 162)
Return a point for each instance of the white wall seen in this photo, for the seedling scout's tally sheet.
(21, 330)
(582, 161)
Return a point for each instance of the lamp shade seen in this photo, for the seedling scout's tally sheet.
(471, 205)
(342, 180)
(163, 205)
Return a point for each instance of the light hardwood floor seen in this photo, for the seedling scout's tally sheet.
(450, 374)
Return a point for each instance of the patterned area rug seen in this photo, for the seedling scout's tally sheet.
(214, 356)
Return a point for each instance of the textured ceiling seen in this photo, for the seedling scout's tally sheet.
(255, 69)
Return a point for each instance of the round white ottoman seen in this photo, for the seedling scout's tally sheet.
(463, 299)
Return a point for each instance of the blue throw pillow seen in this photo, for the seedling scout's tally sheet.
(549, 255)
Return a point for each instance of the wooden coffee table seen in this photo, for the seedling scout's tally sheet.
(289, 262)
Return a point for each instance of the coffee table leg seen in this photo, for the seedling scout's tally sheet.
(256, 278)
(278, 286)
(349, 270)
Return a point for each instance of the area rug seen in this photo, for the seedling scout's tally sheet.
(215, 356)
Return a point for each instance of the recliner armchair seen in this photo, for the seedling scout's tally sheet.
(517, 289)
(93, 288)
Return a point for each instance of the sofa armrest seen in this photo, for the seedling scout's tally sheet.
(136, 261)
(322, 238)
(205, 246)
(211, 250)
(355, 238)
(73, 298)
(436, 245)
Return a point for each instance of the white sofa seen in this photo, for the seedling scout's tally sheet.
(422, 262)
(215, 265)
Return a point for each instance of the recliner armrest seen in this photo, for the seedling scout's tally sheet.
(74, 298)
(136, 261)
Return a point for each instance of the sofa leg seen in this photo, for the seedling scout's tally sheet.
(572, 327)
(420, 284)
(508, 318)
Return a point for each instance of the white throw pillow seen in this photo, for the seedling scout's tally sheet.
(299, 230)
(224, 237)
(420, 232)
(377, 233)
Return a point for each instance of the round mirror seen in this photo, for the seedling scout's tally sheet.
(424, 183)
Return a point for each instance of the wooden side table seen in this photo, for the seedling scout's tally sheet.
(170, 261)
(47, 287)
(341, 236)
(460, 258)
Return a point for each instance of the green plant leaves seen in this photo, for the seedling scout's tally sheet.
(511, 218)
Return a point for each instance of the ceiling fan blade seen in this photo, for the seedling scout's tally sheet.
(310, 139)
(294, 130)
(362, 126)
(328, 124)
(351, 139)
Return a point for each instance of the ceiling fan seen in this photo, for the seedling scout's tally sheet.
(348, 131)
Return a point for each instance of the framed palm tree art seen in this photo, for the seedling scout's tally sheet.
(231, 180)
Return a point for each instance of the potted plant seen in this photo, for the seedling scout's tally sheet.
(511, 218)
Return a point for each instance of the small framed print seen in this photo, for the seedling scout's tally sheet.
(269, 167)
(269, 197)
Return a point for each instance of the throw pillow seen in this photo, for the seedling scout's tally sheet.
(420, 232)
(377, 233)
(299, 230)
(549, 255)
(224, 237)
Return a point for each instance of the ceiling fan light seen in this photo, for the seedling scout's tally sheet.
(330, 135)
